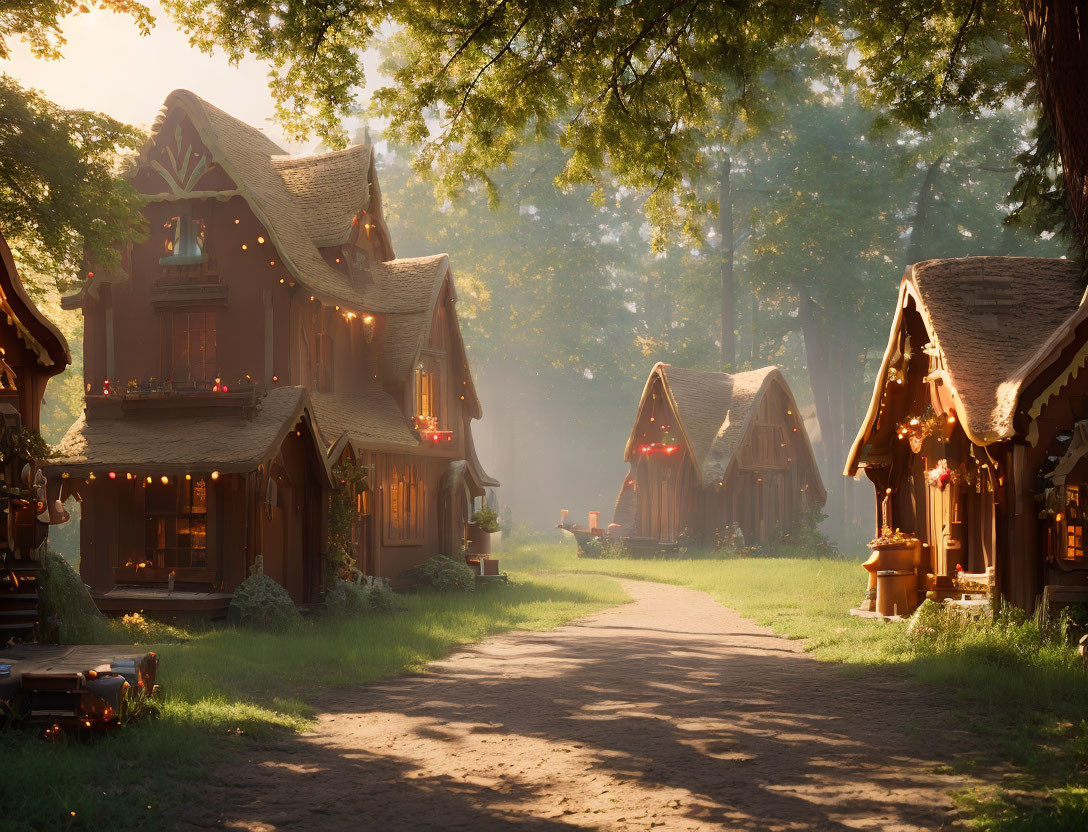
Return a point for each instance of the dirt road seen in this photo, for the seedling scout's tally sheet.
(670, 712)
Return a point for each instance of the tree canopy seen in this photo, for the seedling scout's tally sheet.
(633, 89)
(61, 201)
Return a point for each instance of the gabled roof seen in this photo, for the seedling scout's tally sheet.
(715, 412)
(39, 334)
(988, 317)
(330, 190)
(184, 444)
(369, 419)
(287, 195)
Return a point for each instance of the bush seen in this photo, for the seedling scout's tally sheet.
(68, 609)
(262, 604)
(347, 598)
(598, 547)
(487, 520)
(135, 629)
(443, 574)
(804, 538)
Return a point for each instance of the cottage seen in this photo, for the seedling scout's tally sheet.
(262, 339)
(32, 351)
(712, 450)
(975, 437)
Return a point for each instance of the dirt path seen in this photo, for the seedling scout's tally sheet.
(669, 712)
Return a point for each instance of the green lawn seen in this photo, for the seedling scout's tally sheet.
(1020, 687)
(225, 685)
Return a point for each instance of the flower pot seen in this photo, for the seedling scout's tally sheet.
(479, 541)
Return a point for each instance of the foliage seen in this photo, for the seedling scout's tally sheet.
(134, 628)
(340, 560)
(645, 92)
(260, 603)
(487, 520)
(1011, 639)
(26, 444)
(37, 22)
(60, 197)
(804, 538)
(443, 574)
(346, 598)
(67, 607)
(602, 547)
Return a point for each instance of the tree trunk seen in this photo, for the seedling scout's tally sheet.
(1058, 37)
(725, 234)
(916, 247)
(825, 376)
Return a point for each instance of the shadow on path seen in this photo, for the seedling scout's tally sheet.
(669, 712)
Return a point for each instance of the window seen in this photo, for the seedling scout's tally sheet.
(193, 355)
(176, 524)
(1074, 525)
(404, 503)
(429, 392)
(426, 384)
(183, 240)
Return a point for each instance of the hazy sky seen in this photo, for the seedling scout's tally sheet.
(109, 67)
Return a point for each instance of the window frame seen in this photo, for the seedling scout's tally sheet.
(404, 507)
(210, 369)
(183, 506)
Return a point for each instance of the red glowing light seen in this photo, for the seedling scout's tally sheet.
(226, 389)
(655, 448)
(113, 475)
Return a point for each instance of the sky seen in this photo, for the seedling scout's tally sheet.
(108, 67)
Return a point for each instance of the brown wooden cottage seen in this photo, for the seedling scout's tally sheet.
(976, 437)
(32, 351)
(261, 335)
(709, 450)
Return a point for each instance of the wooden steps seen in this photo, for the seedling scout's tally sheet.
(18, 603)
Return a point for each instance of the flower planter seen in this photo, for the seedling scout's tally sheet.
(479, 541)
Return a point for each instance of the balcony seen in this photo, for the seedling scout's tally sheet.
(167, 398)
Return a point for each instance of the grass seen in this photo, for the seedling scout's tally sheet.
(224, 685)
(1020, 687)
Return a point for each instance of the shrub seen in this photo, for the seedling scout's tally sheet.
(135, 629)
(68, 609)
(346, 598)
(804, 538)
(261, 603)
(379, 597)
(487, 520)
(599, 547)
(444, 574)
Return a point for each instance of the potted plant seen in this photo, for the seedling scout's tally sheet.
(483, 524)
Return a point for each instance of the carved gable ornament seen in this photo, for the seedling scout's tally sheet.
(181, 167)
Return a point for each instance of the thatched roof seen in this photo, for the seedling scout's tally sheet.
(715, 412)
(368, 419)
(183, 444)
(303, 201)
(329, 190)
(988, 317)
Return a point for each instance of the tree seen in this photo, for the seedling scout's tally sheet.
(1059, 48)
(62, 204)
